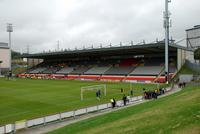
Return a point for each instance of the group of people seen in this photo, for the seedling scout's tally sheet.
(153, 94)
(125, 98)
(181, 84)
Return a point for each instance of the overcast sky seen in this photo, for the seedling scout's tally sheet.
(78, 23)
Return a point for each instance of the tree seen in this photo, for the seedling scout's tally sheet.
(197, 54)
(16, 55)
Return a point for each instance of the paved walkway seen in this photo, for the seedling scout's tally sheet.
(56, 125)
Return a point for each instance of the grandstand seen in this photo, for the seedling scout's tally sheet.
(97, 70)
(80, 70)
(119, 70)
(65, 70)
(37, 70)
(124, 63)
(50, 70)
(147, 70)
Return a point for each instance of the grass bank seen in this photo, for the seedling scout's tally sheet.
(175, 114)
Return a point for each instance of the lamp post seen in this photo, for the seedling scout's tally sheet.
(10, 30)
(166, 26)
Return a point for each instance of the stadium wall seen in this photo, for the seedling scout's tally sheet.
(182, 56)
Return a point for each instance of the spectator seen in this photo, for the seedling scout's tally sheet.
(184, 84)
(180, 85)
(154, 95)
(145, 95)
(131, 92)
(128, 98)
(113, 102)
(99, 93)
(9, 75)
(163, 90)
(124, 98)
(156, 91)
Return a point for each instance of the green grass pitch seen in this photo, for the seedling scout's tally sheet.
(175, 114)
(26, 99)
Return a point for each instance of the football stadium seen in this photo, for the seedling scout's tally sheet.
(52, 87)
(143, 88)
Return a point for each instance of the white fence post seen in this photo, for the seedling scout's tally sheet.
(74, 113)
(60, 118)
(86, 110)
(4, 129)
(13, 128)
(26, 126)
(44, 120)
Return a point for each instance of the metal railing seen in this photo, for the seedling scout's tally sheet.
(9, 128)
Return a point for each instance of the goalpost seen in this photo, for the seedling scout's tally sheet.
(95, 87)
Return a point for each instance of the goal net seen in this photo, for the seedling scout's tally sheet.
(95, 87)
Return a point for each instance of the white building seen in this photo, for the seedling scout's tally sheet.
(4, 56)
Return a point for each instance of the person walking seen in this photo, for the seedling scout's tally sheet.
(124, 99)
(99, 93)
(122, 90)
(113, 102)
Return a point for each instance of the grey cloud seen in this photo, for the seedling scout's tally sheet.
(40, 23)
